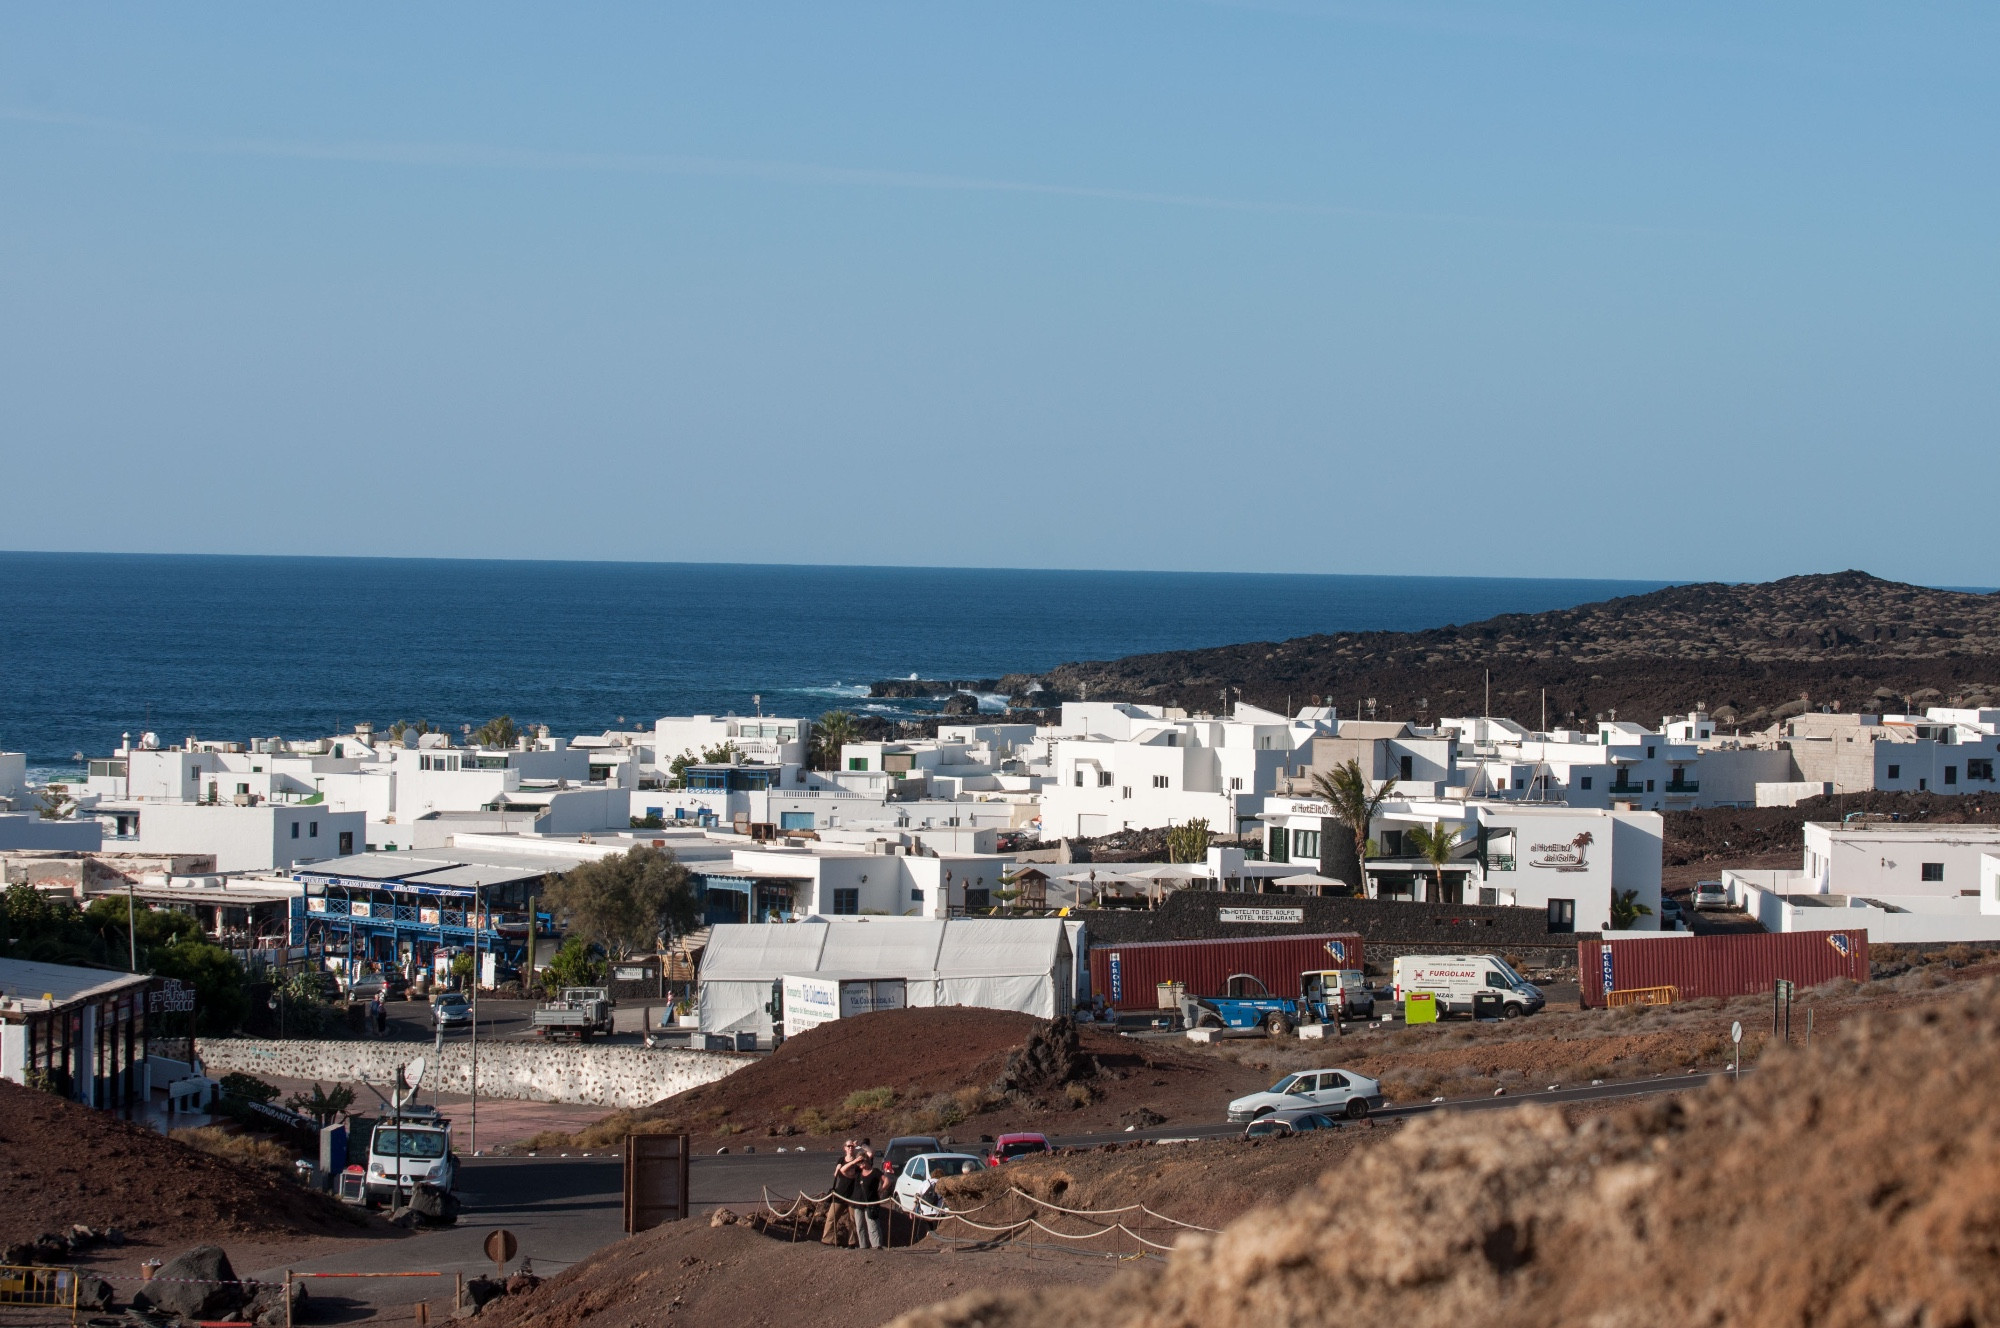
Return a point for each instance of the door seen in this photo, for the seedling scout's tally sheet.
(1562, 915)
(1334, 1090)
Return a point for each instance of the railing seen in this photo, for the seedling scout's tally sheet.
(1685, 788)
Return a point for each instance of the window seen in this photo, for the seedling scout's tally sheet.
(1562, 915)
(1125, 791)
(847, 901)
(242, 790)
(916, 894)
(1584, 783)
(1520, 782)
(1104, 778)
(312, 830)
(1305, 844)
(1160, 781)
(1392, 843)
(1649, 786)
(1895, 772)
(1933, 871)
(295, 829)
(978, 899)
(1280, 845)
(346, 842)
(857, 763)
(1979, 770)
(1649, 753)
(1079, 778)
(1951, 774)
(1236, 783)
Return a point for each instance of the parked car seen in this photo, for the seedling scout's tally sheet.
(906, 1146)
(451, 1010)
(1670, 912)
(1008, 1147)
(1284, 1124)
(916, 1180)
(1326, 1090)
(1710, 894)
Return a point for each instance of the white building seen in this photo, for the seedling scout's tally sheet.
(1567, 861)
(1941, 751)
(757, 740)
(259, 837)
(27, 830)
(1115, 766)
(13, 781)
(1902, 881)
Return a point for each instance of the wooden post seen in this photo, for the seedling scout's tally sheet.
(288, 1298)
(457, 1292)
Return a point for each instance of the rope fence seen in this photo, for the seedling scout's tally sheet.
(942, 1215)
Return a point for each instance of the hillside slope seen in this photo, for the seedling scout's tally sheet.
(1858, 1183)
(1749, 650)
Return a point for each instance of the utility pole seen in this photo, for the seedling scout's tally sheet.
(1545, 710)
(131, 927)
(478, 929)
(1489, 694)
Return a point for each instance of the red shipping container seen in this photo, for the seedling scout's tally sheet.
(1739, 965)
(1129, 975)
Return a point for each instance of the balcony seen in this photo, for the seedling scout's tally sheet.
(1693, 786)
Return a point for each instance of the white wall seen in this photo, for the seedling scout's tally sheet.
(27, 830)
(257, 838)
(1889, 862)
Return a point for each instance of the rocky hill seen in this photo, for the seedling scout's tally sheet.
(1750, 653)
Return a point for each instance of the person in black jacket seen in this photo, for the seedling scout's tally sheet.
(870, 1189)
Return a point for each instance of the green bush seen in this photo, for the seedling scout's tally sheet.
(249, 1087)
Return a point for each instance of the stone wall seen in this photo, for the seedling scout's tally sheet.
(1388, 927)
(598, 1076)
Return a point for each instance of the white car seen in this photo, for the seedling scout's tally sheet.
(1332, 1091)
(1710, 894)
(916, 1183)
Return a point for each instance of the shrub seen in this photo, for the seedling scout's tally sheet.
(972, 1099)
(869, 1099)
(250, 1087)
(1079, 1094)
(238, 1148)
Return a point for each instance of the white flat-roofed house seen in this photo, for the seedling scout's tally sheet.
(13, 781)
(1115, 766)
(1943, 751)
(80, 1032)
(265, 836)
(1912, 882)
(1566, 861)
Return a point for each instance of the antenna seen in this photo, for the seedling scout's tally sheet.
(409, 1077)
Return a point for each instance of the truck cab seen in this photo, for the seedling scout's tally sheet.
(404, 1153)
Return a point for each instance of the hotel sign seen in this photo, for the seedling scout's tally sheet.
(1278, 915)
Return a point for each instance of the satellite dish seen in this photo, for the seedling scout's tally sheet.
(413, 1073)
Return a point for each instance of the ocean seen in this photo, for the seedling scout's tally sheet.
(93, 646)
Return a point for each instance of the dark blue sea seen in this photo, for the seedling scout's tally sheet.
(96, 645)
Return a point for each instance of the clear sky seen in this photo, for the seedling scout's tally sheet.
(1669, 291)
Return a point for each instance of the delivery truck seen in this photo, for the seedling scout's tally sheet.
(1468, 984)
(800, 1001)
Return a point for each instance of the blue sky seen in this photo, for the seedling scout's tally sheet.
(1666, 292)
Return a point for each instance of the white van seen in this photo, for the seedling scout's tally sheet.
(1454, 979)
(403, 1153)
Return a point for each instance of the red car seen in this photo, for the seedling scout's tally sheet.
(1010, 1146)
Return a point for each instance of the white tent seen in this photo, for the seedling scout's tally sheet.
(1023, 964)
(737, 967)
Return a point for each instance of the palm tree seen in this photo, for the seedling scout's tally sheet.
(1626, 909)
(1435, 843)
(835, 729)
(1345, 789)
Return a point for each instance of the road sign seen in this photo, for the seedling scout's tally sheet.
(501, 1247)
(1736, 1031)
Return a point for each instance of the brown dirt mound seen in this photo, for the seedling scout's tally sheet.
(62, 1163)
(730, 1277)
(943, 1066)
(1858, 1183)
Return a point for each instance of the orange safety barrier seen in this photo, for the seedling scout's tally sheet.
(1642, 996)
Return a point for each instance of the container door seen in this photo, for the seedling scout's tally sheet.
(891, 994)
(856, 998)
